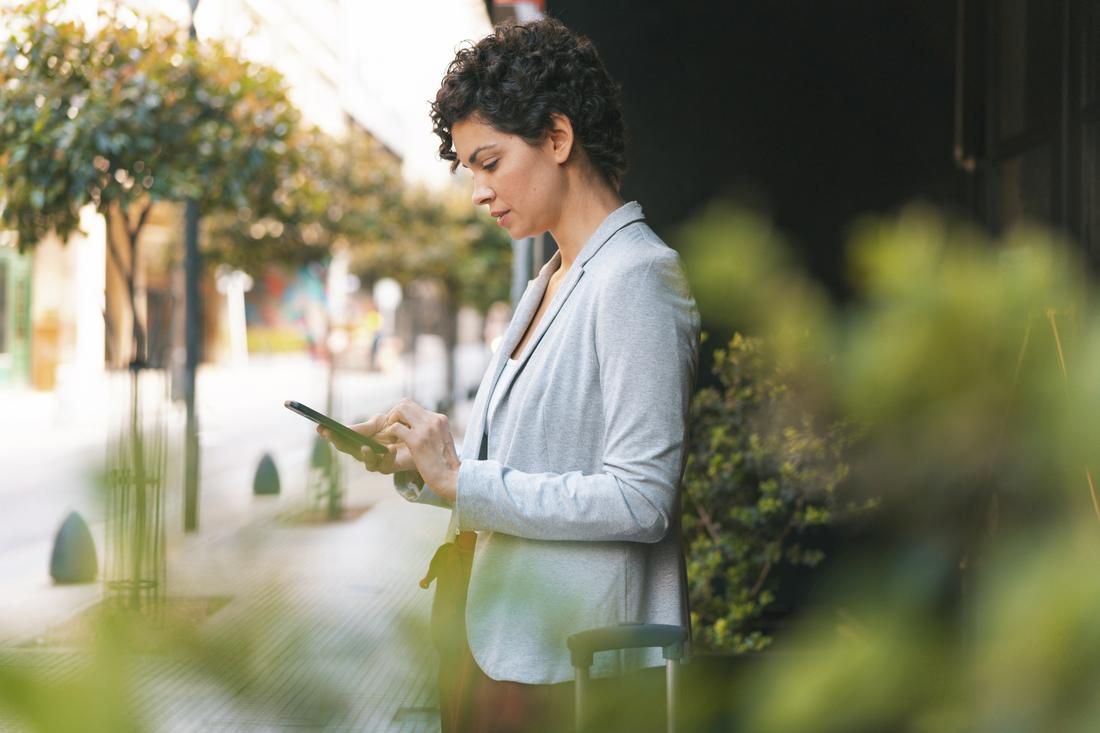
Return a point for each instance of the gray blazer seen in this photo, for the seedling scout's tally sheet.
(576, 508)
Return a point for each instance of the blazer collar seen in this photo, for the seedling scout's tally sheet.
(529, 303)
(626, 214)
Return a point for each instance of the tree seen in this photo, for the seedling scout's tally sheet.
(333, 193)
(123, 117)
(444, 240)
(349, 193)
(327, 193)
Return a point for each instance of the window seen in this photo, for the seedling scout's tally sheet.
(1036, 89)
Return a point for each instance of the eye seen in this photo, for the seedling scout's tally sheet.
(490, 166)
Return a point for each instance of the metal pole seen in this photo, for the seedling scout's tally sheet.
(672, 680)
(193, 331)
(580, 691)
(192, 268)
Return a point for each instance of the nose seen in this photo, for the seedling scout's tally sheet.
(482, 193)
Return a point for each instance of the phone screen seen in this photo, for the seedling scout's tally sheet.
(342, 431)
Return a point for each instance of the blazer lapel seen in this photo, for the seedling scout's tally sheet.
(529, 304)
(562, 295)
(525, 311)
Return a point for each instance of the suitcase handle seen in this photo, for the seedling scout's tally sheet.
(584, 644)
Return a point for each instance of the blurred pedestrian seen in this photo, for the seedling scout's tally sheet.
(565, 491)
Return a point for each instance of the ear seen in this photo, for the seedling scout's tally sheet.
(560, 137)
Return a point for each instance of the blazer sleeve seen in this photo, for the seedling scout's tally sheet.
(646, 336)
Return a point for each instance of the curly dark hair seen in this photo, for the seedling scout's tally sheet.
(519, 75)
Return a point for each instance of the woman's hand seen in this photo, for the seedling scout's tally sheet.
(397, 457)
(427, 437)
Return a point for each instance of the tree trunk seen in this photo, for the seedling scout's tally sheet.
(129, 274)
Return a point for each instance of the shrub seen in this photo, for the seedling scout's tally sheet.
(761, 476)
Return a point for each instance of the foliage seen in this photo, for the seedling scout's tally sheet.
(127, 116)
(483, 275)
(446, 240)
(349, 193)
(332, 193)
(970, 363)
(123, 116)
(760, 477)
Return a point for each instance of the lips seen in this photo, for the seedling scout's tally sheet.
(499, 215)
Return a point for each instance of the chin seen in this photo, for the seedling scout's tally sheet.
(521, 232)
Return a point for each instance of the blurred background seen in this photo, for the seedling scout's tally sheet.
(889, 213)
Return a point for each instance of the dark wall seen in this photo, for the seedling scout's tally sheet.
(819, 109)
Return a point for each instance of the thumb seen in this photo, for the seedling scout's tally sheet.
(370, 427)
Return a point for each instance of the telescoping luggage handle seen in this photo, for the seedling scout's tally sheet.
(583, 645)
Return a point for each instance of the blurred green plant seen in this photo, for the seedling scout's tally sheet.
(760, 483)
(966, 604)
(113, 667)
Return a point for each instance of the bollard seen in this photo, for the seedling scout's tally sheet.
(73, 559)
(266, 482)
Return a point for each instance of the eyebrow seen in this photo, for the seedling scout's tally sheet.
(477, 151)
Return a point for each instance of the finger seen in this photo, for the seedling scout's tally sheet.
(395, 416)
(371, 426)
(376, 461)
(409, 413)
(403, 459)
(400, 431)
(369, 458)
(387, 435)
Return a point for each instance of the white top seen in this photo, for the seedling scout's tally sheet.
(501, 389)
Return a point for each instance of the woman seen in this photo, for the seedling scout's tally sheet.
(570, 468)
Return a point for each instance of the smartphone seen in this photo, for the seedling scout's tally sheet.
(339, 429)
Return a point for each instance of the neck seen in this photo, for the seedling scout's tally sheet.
(584, 207)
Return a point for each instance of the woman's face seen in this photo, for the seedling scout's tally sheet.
(520, 184)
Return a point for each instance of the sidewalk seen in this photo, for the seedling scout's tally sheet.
(328, 619)
(323, 624)
(52, 446)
